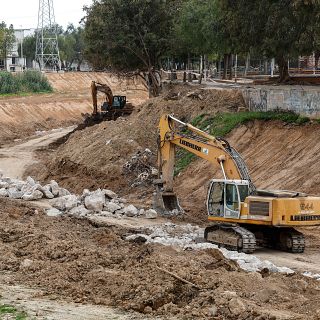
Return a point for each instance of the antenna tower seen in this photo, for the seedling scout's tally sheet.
(47, 49)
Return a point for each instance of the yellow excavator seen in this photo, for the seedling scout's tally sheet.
(113, 107)
(242, 217)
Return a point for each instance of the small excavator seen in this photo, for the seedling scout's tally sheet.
(242, 216)
(112, 108)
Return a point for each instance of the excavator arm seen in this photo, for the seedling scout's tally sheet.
(172, 133)
(99, 87)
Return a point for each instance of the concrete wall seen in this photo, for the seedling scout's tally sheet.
(303, 100)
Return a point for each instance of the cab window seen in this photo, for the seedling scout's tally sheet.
(232, 201)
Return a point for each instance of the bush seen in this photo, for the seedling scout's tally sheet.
(29, 81)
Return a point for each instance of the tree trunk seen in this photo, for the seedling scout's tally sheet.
(230, 65)
(283, 69)
(154, 83)
(225, 66)
(317, 57)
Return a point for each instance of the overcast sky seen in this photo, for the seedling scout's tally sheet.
(24, 13)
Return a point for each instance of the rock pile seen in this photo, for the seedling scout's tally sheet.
(100, 202)
(29, 190)
(191, 237)
(140, 166)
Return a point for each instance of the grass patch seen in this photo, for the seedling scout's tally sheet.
(224, 123)
(25, 82)
(6, 310)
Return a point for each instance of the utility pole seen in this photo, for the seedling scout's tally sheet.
(47, 49)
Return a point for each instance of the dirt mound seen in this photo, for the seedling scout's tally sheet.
(75, 260)
(95, 156)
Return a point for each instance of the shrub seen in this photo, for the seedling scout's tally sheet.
(29, 81)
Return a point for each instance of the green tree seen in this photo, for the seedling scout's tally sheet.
(71, 46)
(277, 29)
(7, 40)
(129, 35)
(29, 48)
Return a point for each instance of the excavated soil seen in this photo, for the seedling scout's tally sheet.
(77, 261)
(94, 157)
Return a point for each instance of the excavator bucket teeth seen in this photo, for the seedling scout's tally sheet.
(167, 203)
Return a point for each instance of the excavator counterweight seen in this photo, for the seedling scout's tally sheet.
(243, 217)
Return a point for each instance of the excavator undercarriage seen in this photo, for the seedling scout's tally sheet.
(247, 239)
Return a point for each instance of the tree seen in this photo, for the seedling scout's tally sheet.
(29, 48)
(71, 46)
(277, 29)
(7, 40)
(129, 35)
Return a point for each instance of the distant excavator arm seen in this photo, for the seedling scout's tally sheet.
(99, 87)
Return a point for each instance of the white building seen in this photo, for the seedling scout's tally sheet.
(14, 62)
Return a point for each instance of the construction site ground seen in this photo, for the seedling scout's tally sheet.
(68, 268)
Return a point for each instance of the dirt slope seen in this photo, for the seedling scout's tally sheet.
(73, 260)
(21, 116)
(279, 156)
(95, 156)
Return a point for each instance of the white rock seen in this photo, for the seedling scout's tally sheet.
(65, 202)
(80, 211)
(131, 211)
(54, 188)
(53, 212)
(95, 201)
(4, 184)
(142, 212)
(63, 192)
(110, 194)
(30, 181)
(13, 193)
(4, 192)
(35, 195)
(151, 214)
(112, 207)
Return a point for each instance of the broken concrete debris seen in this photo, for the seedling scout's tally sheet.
(140, 166)
(99, 202)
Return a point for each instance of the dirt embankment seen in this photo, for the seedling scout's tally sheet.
(21, 116)
(74, 260)
(278, 155)
(94, 157)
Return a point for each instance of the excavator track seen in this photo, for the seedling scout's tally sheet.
(232, 237)
(292, 240)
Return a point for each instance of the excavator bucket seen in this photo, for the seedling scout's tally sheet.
(166, 203)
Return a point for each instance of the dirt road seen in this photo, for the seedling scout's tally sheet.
(15, 159)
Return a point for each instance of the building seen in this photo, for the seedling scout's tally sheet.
(14, 62)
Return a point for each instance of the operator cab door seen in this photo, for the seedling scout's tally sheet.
(224, 198)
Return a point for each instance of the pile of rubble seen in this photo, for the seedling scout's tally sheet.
(191, 237)
(140, 166)
(100, 202)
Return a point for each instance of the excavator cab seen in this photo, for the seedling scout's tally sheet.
(225, 197)
(119, 102)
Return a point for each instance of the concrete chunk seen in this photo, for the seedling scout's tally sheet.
(151, 214)
(64, 203)
(95, 201)
(131, 211)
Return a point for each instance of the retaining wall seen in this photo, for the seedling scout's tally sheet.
(302, 100)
